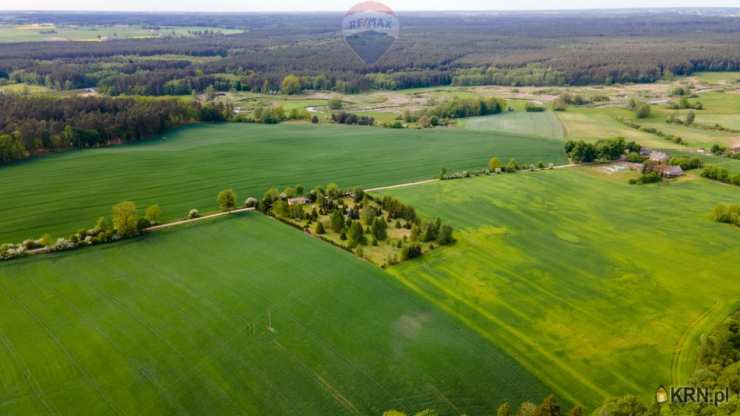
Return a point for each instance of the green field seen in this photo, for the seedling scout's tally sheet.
(177, 323)
(48, 32)
(544, 124)
(597, 287)
(718, 77)
(186, 168)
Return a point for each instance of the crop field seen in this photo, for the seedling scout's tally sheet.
(48, 32)
(178, 322)
(544, 124)
(598, 287)
(186, 168)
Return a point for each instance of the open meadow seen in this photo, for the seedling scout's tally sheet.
(186, 168)
(544, 124)
(597, 287)
(240, 315)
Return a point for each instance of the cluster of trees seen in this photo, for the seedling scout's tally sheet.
(363, 222)
(605, 149)
(729, 214)
(720, 174)
(344, 117)
(36, 124)
(684, 103)
(125, 222)
(686, 163)
(467, 107)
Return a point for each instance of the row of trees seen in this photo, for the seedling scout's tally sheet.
(721, 174)
(125, 222)
(35, 124)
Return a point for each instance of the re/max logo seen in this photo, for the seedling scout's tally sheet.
(370, 23)
(682, 395)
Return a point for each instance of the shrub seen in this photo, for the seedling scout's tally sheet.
(494, 163)
(643, 111)
(143, 224)
(649, 177)
(250, 202)
(193, 213)
(729, 214)
(335, 104)
(716, 173)
(153, 213)
(531, 107)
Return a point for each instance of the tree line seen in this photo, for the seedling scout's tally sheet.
(36, 124)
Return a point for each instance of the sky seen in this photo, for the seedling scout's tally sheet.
(341, 5)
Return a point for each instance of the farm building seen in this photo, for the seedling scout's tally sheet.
(671, 171)
(645, 152)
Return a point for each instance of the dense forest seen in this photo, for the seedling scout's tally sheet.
(434, 49)
(32, 125)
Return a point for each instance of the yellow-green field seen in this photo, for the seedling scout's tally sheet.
(595, 286)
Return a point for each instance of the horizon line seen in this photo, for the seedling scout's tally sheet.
(639, 8)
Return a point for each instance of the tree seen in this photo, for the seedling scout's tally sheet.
(512, 166)
(11, 148)
(152, 214)
(356, 234)
(690, 117)
(337, 222)
(291, 85)
(494, 164)
(125, 219)
(319, 229)
(444, 236)
(226, 200)
(379, 229)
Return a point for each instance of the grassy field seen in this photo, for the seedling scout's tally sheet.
(544, 124)
(591, 124)
(48, 32)
(177, 323)
(718, 77)
(595, 286)
(188, 167)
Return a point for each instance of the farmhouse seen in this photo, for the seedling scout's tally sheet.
(658, 157)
